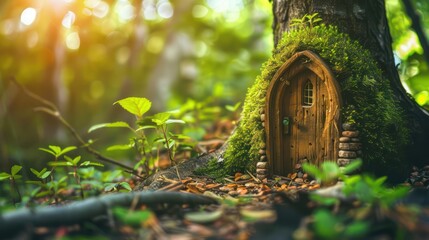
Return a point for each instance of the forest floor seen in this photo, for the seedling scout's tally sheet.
(248, 208)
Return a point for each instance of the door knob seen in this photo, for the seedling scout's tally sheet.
(286, 123)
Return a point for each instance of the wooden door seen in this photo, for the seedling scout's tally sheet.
(302, 114)
(304, 109)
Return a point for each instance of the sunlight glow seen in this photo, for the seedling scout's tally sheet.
(28, 16)
(149, 12)
(91, 3)
(69, 19)
(199, 11)
(155, 44)
(32, 40)
(408, 46)
(125, 10)
(230, 9)
(165, 9)
(101, 9)
(8, 27)
(73, 41)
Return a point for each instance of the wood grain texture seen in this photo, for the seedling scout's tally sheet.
(313, 130)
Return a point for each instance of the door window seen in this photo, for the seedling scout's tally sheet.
(307, 93)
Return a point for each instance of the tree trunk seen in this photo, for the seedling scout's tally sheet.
(366, 22)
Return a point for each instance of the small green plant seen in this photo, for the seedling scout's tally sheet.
(75, 164)
(372, 191)
(308, 20)
(330, 172)
(140, 142)
(13, 176)
(368, 193)
(330, 226)
(57, 152)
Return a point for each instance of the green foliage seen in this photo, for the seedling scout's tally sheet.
(330, 226)
(56, 151)
(373, 191)
(110, 125)
(329, 172)
(308, 20)
(134, 218)
(366, 94)
(413, 69)
(140, 142)
(135, 105)
(369, 194)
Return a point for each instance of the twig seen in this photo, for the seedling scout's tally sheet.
(254, 178)
(52, 110)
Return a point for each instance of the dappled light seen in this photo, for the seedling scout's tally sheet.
(223, 119)
(28, 16)
(84, 55)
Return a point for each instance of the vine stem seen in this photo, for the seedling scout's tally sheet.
(51, 109)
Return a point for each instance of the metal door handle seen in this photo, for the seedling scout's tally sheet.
(286, 125)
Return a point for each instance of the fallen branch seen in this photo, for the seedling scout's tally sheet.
(52, 110)
(90, 208)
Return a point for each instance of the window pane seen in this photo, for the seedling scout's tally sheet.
(307, 94)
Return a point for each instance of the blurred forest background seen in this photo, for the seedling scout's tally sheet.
(83, 55)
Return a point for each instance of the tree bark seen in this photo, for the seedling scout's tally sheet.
(366, 22)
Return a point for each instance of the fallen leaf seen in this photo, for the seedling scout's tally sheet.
(257, 215)
(242, 190)
(212, 195)
(203, 216)
(212, 185)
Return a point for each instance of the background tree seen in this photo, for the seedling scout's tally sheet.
(366, 22)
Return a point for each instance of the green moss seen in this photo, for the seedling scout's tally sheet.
(367, 97)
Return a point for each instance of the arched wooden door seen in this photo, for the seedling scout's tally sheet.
(302, 113)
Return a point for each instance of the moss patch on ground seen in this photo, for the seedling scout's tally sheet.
(366, 93)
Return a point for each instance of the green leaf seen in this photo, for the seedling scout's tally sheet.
(55, 149)
(312, 170)
(35, 172)
(203, 216)
(326, 225)
(161, 118)
(73, 161)
(120, 147)
(60, 164)
(62, 179)
(352, 166)
(39, 183)
(323, 200)
(135, 105)
(45, 175)
(110, 125)
(356, 229)
(330, 171)
(48, 151)
(66, 150)
(126, 186)
(4, 176)
(109, 187)
(257, 215)
(16, 177)
(132, 218)
(233, 108)
(15, 169)
(170, 121)
(88, 163)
